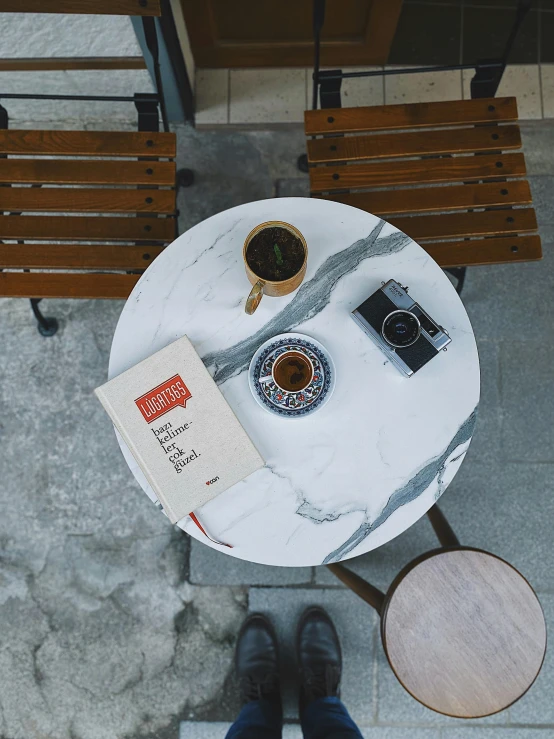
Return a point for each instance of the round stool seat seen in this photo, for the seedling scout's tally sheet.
(464, 632)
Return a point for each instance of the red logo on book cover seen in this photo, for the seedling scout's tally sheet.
(163, 398)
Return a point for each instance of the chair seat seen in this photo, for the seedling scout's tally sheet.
(464, 632)
(444, 173)
(84, 213)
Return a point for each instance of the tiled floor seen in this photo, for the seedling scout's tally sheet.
(262, 97)
(114, 625)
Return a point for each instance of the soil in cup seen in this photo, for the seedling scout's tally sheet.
(292, 372)
(275, 254)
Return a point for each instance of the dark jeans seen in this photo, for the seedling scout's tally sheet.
(324, 718)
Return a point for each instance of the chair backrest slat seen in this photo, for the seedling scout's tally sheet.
(88, 143)
(86, 172)
(464, 225)
(485, 251)
(412, 115)
(87, 200)
(413, 143)
(416, 171)
(87, 228)
(413, 200)
(77, 256)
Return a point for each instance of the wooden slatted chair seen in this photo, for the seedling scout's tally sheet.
(483, 217)
(83, 213)
(447, 173)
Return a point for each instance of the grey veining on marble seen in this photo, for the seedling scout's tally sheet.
(311, 299)
(410, 490)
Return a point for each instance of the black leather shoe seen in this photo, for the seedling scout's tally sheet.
(319, 656)
(256, 660)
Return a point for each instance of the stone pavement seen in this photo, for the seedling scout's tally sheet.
(113, 625)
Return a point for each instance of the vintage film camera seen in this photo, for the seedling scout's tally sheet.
(404, 332)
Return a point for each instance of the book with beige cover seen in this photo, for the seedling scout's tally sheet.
(180, 429)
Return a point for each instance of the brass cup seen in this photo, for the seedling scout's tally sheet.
(273, 288)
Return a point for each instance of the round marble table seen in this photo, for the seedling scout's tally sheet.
(369, 464)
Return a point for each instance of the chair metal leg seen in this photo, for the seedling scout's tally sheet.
(302, 163)
(318, 21)
(460, 274)
(489, 72)
(46, 326)
(151, 38)
(358, 585)
(185, 178)
(442, 528)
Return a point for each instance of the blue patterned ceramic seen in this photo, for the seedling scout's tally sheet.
(292, 404)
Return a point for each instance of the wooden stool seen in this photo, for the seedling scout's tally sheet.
(462, 629)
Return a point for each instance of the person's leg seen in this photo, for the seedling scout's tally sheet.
(257, 670)
(327, 718)
(257, 720)
(322, 714)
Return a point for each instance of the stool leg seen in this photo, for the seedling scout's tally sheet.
(363, 589)
(442, 528)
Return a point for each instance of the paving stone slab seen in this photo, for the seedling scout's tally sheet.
(229, 170)
(508, 732)
(527, 400)
(206, 730)
(210, 567)
(355, 622)
(399, 732)
(506, 509)
(381, 566)
(293, 188)
(203, 729)
(541, 190)
(537, 705)
(280, 150)
(234, 167)
(510, 301)
(538, 147)
(485, 444)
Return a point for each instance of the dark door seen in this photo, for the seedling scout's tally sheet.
(278, 33)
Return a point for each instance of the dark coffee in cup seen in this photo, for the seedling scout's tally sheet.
(292, 371)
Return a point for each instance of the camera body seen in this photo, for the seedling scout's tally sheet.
(404, 332)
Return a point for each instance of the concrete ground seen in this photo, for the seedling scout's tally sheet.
(114, 625)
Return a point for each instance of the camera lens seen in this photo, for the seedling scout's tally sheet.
(401, 328)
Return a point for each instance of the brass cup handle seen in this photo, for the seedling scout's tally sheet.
(253, 300)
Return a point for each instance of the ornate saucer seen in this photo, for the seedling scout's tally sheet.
(295, 404)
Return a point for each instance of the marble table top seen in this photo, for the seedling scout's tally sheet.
(369, 464)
